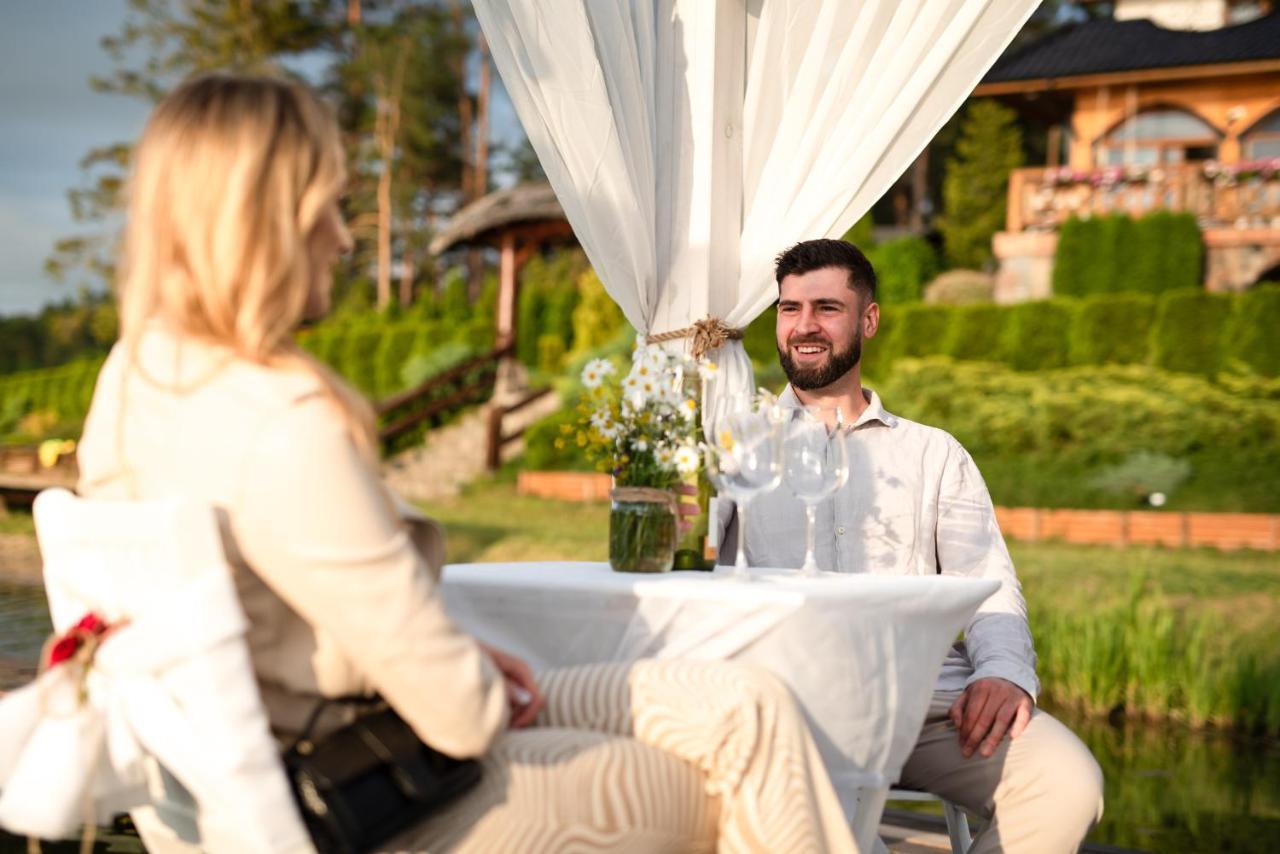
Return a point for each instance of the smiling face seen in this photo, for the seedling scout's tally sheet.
(821, 324)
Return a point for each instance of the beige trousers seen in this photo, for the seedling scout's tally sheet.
(655, 756)
(1040, 793)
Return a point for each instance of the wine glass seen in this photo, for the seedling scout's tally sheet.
(744, 458)
(816, 466)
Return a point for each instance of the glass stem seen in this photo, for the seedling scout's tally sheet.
(740, 565)
(810, 540)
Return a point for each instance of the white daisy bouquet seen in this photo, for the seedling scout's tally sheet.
(643, 429)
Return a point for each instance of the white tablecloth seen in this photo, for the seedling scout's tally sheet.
(860, 652)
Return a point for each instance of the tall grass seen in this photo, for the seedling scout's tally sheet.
(1146, 657)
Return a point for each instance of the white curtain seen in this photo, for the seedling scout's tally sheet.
(691, 141)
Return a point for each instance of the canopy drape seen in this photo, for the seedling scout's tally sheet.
(690, 141)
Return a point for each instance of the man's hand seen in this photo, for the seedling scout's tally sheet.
(522, 690)
(988, 709)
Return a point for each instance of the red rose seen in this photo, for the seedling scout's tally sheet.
(91, 623)
(64, 648)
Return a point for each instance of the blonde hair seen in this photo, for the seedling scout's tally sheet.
(231, 177)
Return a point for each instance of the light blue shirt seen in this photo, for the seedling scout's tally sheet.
(914, 504)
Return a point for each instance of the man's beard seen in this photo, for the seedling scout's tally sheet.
(839, 363)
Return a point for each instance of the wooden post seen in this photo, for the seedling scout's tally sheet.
(493, 444)
(505, 326)
(1013, 216)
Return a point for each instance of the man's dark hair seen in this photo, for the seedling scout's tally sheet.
(809, 255)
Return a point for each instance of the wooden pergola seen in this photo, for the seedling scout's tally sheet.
(518, 222)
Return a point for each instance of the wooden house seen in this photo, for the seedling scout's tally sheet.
(1171, 104)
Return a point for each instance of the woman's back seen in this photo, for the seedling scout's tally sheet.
(340, 597)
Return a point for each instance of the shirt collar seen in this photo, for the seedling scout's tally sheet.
(875, 410)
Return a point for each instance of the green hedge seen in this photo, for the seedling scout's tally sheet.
(1188, 332)
(918, 329)
(1162, 251)
(1253, 339)
(975, 332)
(902, 266)
(1107, 412)
(61, 394)
(1035, 334)
(1111, 329)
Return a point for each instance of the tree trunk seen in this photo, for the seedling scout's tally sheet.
(386, 129)
(482, 119)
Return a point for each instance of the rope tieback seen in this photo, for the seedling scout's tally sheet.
(643, 494)
(707, 334)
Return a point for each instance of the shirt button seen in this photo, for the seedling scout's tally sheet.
(840, 530)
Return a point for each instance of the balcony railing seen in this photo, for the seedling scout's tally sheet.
(1245, 195)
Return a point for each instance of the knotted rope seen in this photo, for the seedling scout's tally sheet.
(707, 334)
(643, 494)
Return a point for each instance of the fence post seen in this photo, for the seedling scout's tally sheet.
(493, 449)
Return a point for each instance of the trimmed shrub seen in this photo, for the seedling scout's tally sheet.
(919, 329)
(1188, 331)
(1175, 242)
(1096, 413)
(960, 287)
(878, 352)
(1162, 251)
(597, 318)
(1072, 260)
(1254, 337)
(975, 332)
(760, 338)
(455, 306)
(548, 296)
(394, 349)
(1111, 329)
(1035, 335)
(902, 267)
(550, 353)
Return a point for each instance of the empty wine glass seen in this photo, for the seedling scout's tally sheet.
(744, 458)
(816, 466)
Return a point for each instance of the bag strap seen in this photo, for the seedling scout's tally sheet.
(324, 703)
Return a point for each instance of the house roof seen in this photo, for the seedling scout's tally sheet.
(1103, 45)
(479, 221)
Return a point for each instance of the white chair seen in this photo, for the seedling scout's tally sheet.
(170, 705)
(957, 821)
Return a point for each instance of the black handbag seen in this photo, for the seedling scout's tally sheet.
(367, 781)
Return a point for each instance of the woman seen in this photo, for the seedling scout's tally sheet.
(234, 225)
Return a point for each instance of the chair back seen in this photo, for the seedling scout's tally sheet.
(172, 681)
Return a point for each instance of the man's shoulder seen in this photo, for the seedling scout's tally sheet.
(923, 435)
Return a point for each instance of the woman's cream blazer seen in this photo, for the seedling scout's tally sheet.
(339, 583)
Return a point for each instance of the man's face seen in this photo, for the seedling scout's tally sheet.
(821, 324)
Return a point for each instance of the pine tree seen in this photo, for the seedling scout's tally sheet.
(176, 40)
(975, 190)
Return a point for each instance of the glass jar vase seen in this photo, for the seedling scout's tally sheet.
(642, 529)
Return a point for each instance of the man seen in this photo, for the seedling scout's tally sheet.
(915, 504)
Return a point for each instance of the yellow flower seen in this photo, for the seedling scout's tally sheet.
(726, 440)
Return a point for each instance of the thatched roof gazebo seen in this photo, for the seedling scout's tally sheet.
(517, 221)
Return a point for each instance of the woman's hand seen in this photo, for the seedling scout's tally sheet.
(522, 690)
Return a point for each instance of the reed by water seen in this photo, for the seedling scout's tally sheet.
(1163, 639)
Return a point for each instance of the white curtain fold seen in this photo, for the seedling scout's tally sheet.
(691, 141)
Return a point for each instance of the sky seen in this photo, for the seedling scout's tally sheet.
(49, 119)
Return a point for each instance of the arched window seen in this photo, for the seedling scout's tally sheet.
(1160, 136)
(1263, 139)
